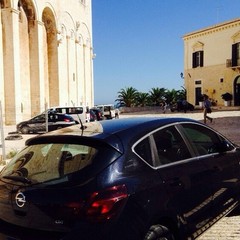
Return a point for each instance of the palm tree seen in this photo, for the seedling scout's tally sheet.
(172, 96)
(182, 94)
(157, 95)
(127, 96)
(142, 99)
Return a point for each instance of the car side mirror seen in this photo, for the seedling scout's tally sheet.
(225, 146)
(221, 147)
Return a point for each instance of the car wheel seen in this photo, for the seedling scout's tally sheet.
(24, 130)
(159, 232)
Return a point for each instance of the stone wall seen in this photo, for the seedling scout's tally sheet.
(45, 56)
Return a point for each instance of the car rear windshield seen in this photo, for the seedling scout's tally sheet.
(70, 110)
(44, 162)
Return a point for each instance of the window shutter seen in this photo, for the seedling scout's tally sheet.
(234, 55)
(194, 60)
(201, 58)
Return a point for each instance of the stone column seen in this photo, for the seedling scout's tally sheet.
(53, 69)
(37, 67)
(13, 113)
(68, 38)
(71, 65)
(84, 76)
(91, 90)
(1, 66)
(88, 74)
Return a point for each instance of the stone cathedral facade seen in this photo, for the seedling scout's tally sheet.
(46, 56)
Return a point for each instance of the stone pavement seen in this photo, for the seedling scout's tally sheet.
(15, 144)
(228, 228)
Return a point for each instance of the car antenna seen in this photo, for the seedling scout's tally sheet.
(80, 120)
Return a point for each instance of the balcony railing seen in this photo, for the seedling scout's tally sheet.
(229, 63)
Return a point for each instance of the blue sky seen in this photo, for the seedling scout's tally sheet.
(138, 43)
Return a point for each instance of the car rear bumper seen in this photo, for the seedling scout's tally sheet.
(13, 232)
(88, 232)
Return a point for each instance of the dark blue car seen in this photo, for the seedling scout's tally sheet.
(137, 178)
(38, 124)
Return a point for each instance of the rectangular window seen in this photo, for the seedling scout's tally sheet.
(238, 50)
(236, 54)
(198, 82)
(197, 59)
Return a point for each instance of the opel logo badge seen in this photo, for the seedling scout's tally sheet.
(20, 199)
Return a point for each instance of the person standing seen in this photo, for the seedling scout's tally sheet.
(206, 109)
(184, 104)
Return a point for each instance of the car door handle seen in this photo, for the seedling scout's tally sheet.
(175, 182)
(216, 169)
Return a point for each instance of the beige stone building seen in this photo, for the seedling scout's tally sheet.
(212, 62)
(46, 56)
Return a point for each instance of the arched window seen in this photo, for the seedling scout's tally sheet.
(237, 91)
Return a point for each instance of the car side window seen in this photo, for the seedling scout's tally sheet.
(79, 110)
(170, 145)
(203, 139)
(143, 150)
(39, 118)
(62, 110)
(50, 117)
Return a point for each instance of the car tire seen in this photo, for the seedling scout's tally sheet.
(13, 137)
(158, 232)
(24, 130)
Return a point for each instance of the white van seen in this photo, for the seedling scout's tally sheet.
(108, 110)
(77, 112)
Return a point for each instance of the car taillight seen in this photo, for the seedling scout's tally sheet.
(106, 204)
(102, 205)
(66, 120)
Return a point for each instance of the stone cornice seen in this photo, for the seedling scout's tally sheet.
(213, 29)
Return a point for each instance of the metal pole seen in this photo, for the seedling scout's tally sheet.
(2, 133)
(46, 116)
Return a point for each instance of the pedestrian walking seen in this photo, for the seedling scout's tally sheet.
(164, 107)
(206, 109)
(184, 104)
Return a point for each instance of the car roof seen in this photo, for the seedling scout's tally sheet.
(55, 113)
(99, 105)
(66, 107)
(109, 131)
(139, 123)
